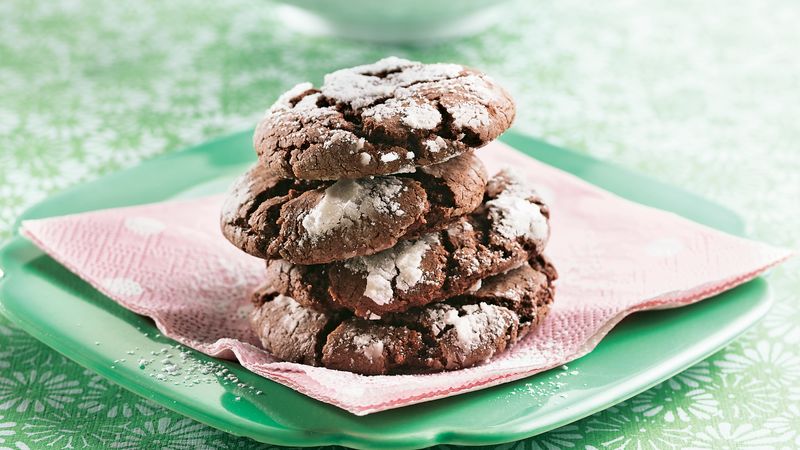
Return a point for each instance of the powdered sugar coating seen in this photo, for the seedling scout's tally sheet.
(408, 262)
(374, 350)
(289, 321)
(470, 115)
(470, 323)
(422, 117)
(480, 87)
(409, 168)
(476, 286)
(514, 215)
(347, 201)
(418, 116)
(238, 195)
(436, 144)
(399, 266)
(340, 206)
(381, 272)
(464, 328)
(370, 346)
(519, 218)
(307, 105)
(295, 313)
(389, 157)
(283, 101)
(357, 86)
(339, 137)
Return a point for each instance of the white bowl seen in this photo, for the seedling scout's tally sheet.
(403, 21)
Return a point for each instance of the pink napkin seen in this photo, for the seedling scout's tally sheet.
(169, 261)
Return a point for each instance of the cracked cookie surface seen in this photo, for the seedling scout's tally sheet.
(381, 118)
(315, 222)
(463, 331)
(507, 229)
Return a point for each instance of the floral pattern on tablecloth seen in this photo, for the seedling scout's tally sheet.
(698, 94)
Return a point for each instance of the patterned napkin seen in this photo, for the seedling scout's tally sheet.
(170, 262)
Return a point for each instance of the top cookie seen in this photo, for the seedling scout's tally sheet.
(381, 118)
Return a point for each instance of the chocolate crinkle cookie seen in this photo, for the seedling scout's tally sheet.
(463, 331)
(314, 222)
(388, 248)
(508, 228)
(387, 117)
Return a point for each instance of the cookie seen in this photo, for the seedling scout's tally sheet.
(381, 118)
(315, 222)
(509, 227)
(463, 331)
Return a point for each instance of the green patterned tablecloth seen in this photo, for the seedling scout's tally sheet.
(701, 94)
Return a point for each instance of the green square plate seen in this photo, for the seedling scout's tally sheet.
(65, 313)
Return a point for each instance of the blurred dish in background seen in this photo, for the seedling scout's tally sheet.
(407, 21)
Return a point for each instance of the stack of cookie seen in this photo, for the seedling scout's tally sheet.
(388, 248)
